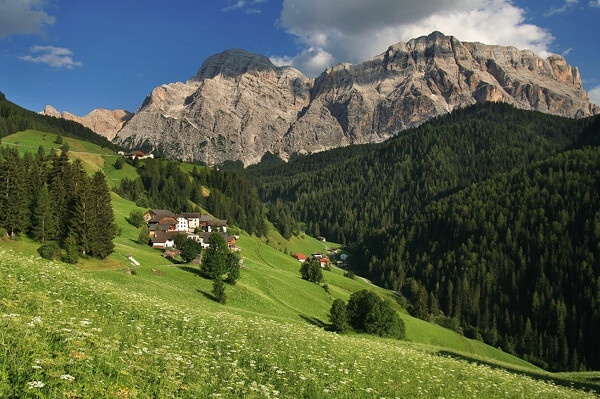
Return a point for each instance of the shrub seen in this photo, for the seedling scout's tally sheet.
(338, 316)
(369, 313)
(49, 250)
(136, 218)
(311, 271)
(218, 290)
(189, 250)
(350, 274)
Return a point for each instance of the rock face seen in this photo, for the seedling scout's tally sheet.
(101, 121)
(240, 105)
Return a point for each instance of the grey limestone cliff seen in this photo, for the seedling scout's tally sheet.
(240, 105)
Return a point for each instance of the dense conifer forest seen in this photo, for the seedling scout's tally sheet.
(505, 264)
(56, 202)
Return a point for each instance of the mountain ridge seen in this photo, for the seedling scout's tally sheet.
(101, 121)
(239, 105)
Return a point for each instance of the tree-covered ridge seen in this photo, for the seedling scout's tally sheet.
(381, 187)
(515, 259)
(54, 200)
(163, 184)
(15, 119)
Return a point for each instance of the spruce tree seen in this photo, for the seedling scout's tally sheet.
(71, 249)
(81, 215)
(215, 258)
(233, 268)
(14, 200)
(103, 230)
(218, 290)
(43, 222)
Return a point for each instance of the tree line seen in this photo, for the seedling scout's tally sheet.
(57, 203)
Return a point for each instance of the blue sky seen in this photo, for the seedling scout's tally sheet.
(78, 55)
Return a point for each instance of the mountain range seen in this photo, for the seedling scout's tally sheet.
(240, 105)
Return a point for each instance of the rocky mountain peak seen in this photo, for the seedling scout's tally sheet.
(233, 62)
(240, 105)
(50, 111)
(101, 121)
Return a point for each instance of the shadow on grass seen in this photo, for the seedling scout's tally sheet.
(207, 295)
(314, 321)
(582, 385)
(197, 271)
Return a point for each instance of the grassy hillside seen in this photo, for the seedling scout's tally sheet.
(65, 332)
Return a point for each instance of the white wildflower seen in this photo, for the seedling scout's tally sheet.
(35, 384)
(67, 377)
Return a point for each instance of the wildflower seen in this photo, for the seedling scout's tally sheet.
(35, 384)
(67, 377)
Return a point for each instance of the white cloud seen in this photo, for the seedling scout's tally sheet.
(595, 3)
(236, 6)
(56, 57)
(595, 95)
(336, 31)
(561, 9)
(23, 17)
(249, 7)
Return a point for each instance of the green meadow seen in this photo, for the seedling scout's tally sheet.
(92, 330)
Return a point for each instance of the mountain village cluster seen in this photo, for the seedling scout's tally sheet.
(164, 225)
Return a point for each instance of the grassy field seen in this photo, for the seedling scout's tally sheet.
(92, 330)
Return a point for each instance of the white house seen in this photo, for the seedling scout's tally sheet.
(182, 224)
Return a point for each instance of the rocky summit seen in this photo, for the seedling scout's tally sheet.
(101, 121)
(240, 105)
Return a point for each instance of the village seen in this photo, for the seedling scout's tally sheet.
(164, 225)
(325, 261)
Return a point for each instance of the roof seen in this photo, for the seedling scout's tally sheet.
(324, 260)
(167, 221)
(158, 214)
(205, 236)
(191, 215)
(216, 222)
(163, 236)
(299, 256)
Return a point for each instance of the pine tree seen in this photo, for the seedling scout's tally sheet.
(233, 268)
(71, 249)
(43, 222)
(103, 230)
(218, 290)
(82, 215)
(214, 261)
(14, 200)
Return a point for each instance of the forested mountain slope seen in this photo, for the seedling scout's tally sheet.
(460, 214)
(515, 259)
(381, 185)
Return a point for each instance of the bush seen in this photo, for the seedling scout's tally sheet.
(49, 250)
(311, 271)
(350, 274)
(218, 290)
(136, 218)
(189, 250)
(369, 313)
(119, 163)
(338, 316)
